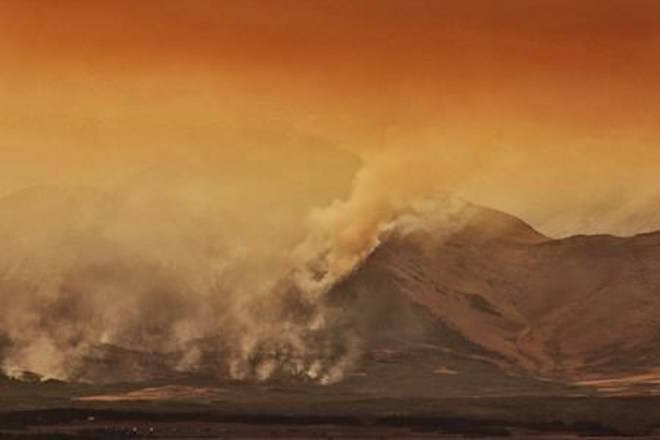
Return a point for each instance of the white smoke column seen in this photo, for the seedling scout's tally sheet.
(394, 193)
(389, 192)
(344, 233)
(154, 271)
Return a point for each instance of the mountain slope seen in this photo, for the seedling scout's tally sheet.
(490, 306)
(581, 306)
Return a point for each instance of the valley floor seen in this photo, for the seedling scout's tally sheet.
(277, 416)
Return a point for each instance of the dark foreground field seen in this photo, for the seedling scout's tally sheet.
(258, 412)
(110, 424)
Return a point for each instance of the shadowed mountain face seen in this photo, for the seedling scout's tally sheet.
(571, 308)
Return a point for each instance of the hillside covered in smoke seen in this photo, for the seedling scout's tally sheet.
(131, 285)
(88, 272)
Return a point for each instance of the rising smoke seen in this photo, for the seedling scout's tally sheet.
(132, 283)
(184, 275)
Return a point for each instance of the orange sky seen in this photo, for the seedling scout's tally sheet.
(559, 98)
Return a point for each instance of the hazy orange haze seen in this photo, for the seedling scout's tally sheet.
(546, 109)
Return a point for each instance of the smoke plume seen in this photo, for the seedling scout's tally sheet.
(194, 273)
(126, 284)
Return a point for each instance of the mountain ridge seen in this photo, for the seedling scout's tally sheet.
(488, 294)
(515, 296)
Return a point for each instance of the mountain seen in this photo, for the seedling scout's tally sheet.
(489, 307)
(570, 309)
